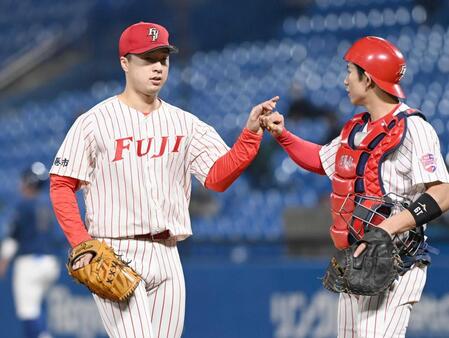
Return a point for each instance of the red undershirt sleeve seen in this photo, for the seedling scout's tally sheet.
(230, 166)
(303, 153)
(63, 197)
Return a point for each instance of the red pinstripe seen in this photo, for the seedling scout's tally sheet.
(386, 305)
(416, 284)
(115, 325)
(352, 317)
(179, 301)
(154, 305)
(110, 178)
(132, 184)
(151, 258)
(367, 314)
(375, 317)
(163, 297)
(400, 298)
(118, 177)
(140, 317)
(180, 320)
(339, 315)
(402, 306)
(172, 291)
(104, 186)
(76, 152)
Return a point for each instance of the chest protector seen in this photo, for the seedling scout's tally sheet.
(358, 173)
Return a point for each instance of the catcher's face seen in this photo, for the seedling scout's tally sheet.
(147, 73)
(356, 85)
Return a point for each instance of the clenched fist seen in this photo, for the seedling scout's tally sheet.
(273, 122)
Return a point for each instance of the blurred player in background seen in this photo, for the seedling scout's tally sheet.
(383, 160)
(34, 242)
(134, 156)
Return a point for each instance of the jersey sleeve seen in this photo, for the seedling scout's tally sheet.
(427, 162)
(76, 156)
(328, 154)
(206, 147)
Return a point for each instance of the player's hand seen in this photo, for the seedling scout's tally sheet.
(263, 108)
(359, 250)
(274, 123)
(82, 260)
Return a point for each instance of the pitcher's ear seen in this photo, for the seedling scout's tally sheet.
(124, 63)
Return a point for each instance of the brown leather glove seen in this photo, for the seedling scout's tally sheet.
(107, 275)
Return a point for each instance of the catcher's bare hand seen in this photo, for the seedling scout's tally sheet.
(359, 250)
(82, 261)
(266, 107)
(274, 123)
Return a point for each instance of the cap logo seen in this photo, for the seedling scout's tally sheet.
(401, 73)
(154, 33)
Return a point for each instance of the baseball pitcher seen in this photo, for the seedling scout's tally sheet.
(133, 155)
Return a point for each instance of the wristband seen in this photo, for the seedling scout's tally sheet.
(424, 209)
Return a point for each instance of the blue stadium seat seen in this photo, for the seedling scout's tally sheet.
(220, 87)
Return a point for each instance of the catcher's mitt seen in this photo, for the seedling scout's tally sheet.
(369, 274)
(106, 275)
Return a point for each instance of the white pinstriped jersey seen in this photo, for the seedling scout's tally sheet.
(136, 169)
(405, 171)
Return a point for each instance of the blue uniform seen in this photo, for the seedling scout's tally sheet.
(35, 229)
(39, 242)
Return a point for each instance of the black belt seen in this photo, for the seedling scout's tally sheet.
(153, 237)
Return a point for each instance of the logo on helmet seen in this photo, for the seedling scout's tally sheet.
(401, 72)
(154, 33)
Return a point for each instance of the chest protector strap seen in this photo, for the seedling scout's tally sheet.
(358, 170)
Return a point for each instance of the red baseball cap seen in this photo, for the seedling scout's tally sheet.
(144, 37)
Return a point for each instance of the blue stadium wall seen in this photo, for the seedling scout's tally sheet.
(279, 299)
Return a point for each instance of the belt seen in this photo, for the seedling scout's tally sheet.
(154, 237)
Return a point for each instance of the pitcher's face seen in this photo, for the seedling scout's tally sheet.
(148, 72)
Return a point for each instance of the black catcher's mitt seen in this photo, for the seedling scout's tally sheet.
(369, 274)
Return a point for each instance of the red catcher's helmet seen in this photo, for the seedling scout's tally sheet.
(381, 60)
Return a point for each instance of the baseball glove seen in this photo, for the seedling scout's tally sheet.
(107, 275)
(369, 274)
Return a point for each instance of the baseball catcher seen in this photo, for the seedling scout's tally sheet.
(389, 180)
(107, 275)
